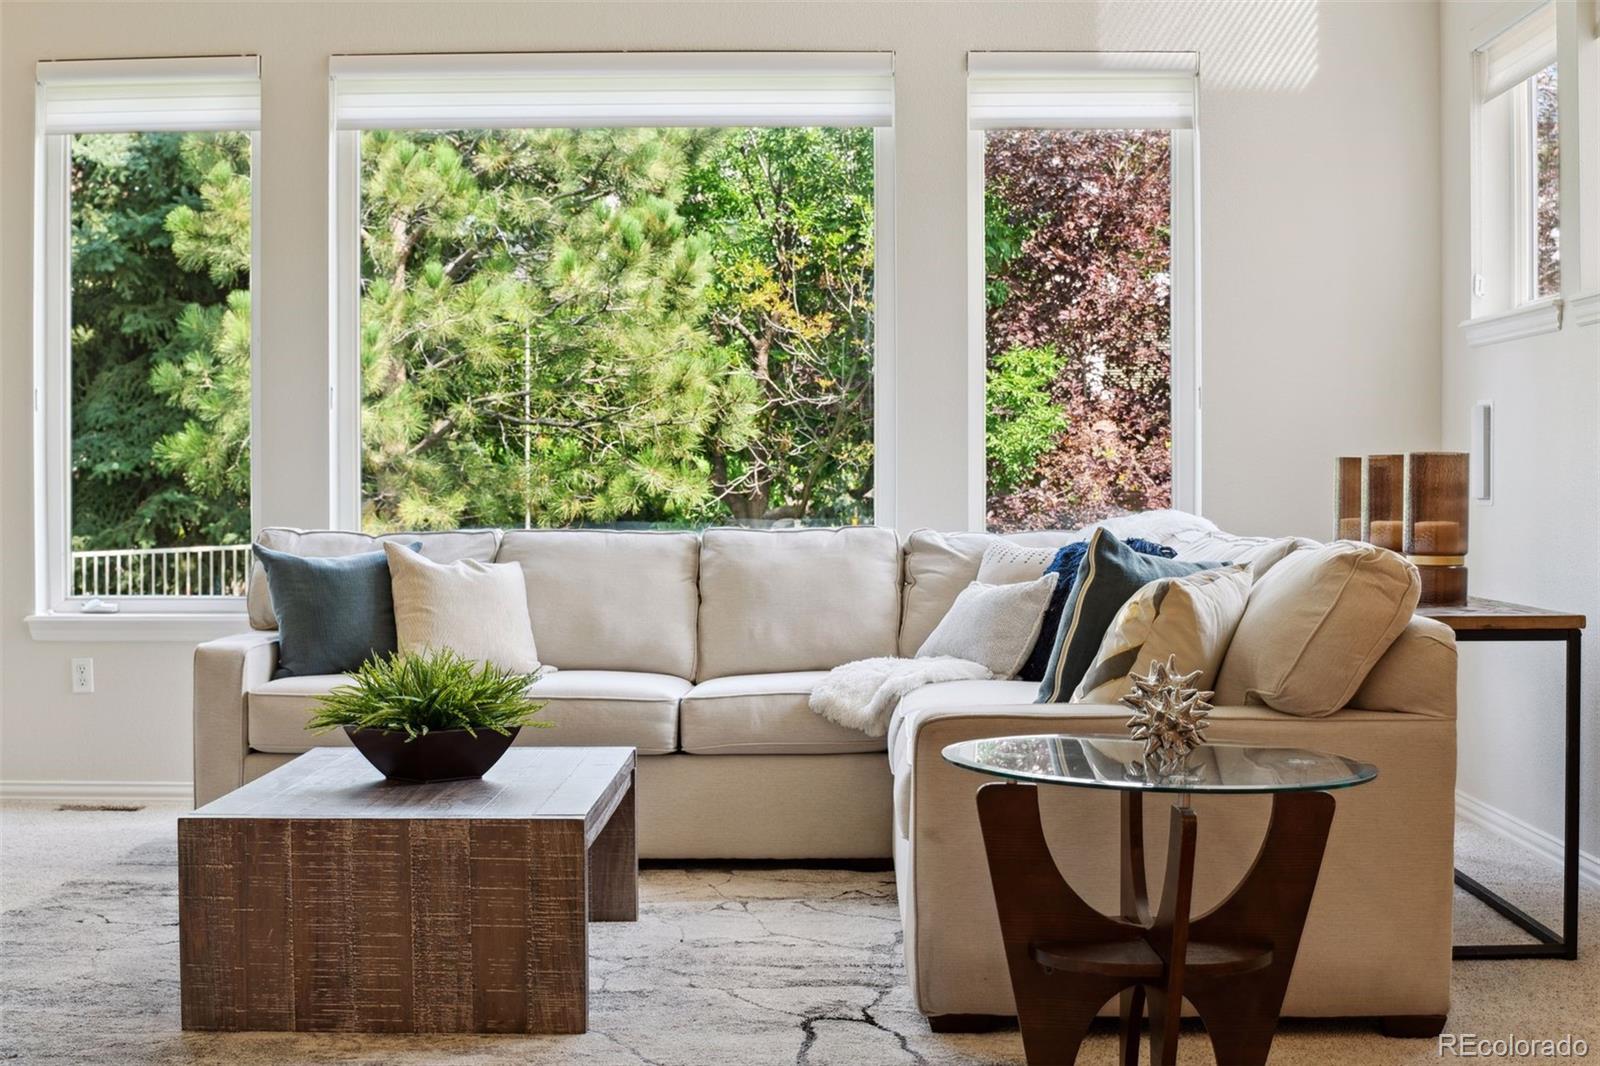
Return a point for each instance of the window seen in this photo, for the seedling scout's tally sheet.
(1516, 167)
(612, 290)
(145, 334)
(1083, 178)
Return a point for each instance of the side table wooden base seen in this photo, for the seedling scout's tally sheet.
(1232, 963)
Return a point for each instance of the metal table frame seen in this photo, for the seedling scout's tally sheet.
(1551, 945)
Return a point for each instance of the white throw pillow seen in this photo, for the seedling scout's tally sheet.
(478, 610)
(1315, 626)
(995, 625)
(1191, 617)
(1006, 563)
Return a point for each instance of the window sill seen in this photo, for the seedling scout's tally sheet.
(1585, 309)
(147, 628)
(1529, 320)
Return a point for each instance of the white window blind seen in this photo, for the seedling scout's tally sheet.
(1517, 54)
(150, 95)
(622, 89)
(1081, 90)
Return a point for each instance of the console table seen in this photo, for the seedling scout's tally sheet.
(1232, 963)
(1494, 620)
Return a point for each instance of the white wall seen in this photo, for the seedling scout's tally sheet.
(1319, 251)
(1536, 542)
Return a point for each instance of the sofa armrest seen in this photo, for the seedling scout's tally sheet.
(1378, 937)
(224, 671)
(1417, 675)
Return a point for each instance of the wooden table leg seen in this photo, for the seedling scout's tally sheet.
(1169, 935)
(1135, 909)
(614, 867)
(1240, 1011)
(1035, 904)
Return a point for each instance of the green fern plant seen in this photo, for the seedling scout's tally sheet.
(416, 694)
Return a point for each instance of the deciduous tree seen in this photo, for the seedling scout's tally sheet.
(1078, 250)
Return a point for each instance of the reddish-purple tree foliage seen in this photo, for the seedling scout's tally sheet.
(1087, 273)
(1547, 179)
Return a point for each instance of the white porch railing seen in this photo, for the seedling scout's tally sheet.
(206, 571)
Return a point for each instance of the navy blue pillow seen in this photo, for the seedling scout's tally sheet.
(333, 614)
(1110, 573)
(1065, 566)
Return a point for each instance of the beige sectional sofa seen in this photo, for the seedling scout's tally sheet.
(700, 650)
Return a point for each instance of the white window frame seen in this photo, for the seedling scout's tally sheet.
(1504, 303)
(59, 615)
(1184, 306)
(344, 371)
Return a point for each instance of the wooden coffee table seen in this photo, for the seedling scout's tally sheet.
(321, 897)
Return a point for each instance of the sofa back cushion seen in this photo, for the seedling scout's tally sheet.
(796, 599)
(610, 599)
(1315, 626)
(1260, 554)
(442, 547)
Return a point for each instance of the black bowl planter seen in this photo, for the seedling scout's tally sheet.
(443, 755)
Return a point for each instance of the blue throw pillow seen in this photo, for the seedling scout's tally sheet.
(333, 614)
(1065, 567)
(1110, 573)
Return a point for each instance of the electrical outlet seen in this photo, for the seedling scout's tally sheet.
(83, 675)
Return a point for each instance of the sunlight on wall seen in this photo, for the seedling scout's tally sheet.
(1248, 46)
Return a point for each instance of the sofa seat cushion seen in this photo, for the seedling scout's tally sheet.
(957, 695)
(764, 714)
(608, 707)
(599, 707)
(277, 712)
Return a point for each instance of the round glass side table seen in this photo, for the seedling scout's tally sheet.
(1232, 963)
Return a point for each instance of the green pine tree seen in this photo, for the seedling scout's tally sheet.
(532, 346)
(156, 239)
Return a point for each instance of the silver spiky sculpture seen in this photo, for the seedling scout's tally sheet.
(1169, 714)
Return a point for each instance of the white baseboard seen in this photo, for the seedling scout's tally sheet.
(1546, 846)
(97, 791)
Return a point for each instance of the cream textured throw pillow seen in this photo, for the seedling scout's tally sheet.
(1006, 563)
(1192, 617)
(995, 625)
(1315, 626)
(479, 610)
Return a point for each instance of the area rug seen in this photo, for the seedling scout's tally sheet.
(741, 966)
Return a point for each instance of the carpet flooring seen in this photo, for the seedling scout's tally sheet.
(726, 966)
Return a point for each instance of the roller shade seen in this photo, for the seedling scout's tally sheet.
(623, 89)
(1081, 90)
(1517, 54)
(150, 95)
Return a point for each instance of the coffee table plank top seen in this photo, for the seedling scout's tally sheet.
(537, 784)
(1479, 614)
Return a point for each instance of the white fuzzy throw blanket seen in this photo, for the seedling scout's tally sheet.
(863, 695)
